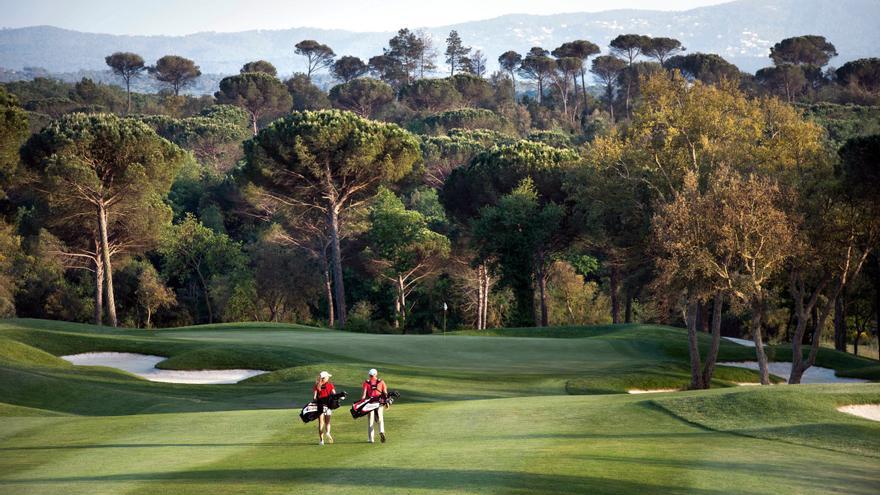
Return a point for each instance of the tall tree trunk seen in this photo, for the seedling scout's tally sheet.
(401, 302)
(108, 268)
(757, 310)
(615, 289)
(525, 306)
(479, 324)
(513, 82)
(396, 308)
(128, 90)
(206, 293)
(804, 312)
(693, 343)
(609, 93)
(628, 306)
(584, 90)
(703, 323)
(99, 290)
(542, 288)
(336, 261)
(877, 298)
(254, 122)
(797, 372)
(815, 319)
(712, 357)
(149, 314)
(486, 287)
(328, 286)
(840, 321)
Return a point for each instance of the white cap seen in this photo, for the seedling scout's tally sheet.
(324, 374)
(373, 372)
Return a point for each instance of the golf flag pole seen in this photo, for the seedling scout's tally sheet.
(445, 307)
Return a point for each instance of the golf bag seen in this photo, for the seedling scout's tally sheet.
(364, 407)
(310, 411)
(334, 399)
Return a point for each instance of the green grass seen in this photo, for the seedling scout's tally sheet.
(510, 411)
(767, 413)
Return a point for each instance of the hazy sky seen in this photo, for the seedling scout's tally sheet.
(188, 16)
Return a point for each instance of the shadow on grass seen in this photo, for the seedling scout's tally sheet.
(155, 445)
(847, 438)
(377, 478)
(835, 437)
(790, 469)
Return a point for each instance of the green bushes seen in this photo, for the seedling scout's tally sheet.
(463, 118)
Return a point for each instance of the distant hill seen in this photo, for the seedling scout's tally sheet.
(742, 31)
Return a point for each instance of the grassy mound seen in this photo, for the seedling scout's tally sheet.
(805, 415)
(14, 352)
(25, 412)
(252, 325)
(573, 332)
(91, 339)
(865, 372)
(666, 376)
(230, 357)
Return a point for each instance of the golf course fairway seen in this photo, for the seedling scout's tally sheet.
(508, 411)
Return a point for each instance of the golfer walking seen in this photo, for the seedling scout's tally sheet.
(323, 389)
(375, 387)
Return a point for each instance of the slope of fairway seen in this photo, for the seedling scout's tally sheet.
(600, 444)
(423, 367)
(767, 413)
(478, 414)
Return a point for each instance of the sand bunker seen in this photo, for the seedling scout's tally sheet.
(867, 411)
(745, 342)
(814, 374)
(651, 391)
(144, 365)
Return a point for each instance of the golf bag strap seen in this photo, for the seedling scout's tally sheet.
(373, 386)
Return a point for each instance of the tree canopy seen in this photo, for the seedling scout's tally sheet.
(330, 161)
(259, 93)
(259, 66)
(108, 172)
(175, 72)
(318, 56)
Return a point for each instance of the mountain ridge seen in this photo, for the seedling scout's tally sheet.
(741, 31)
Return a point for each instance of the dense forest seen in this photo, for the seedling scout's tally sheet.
(571, 187)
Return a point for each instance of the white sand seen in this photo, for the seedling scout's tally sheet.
(144, 366)
(651, 391)
(745, 342)
(867, 411)
(814, 374)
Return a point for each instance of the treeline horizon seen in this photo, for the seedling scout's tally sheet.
(398, 202)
